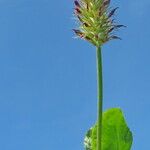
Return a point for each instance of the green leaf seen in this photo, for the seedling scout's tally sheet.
(115, 136)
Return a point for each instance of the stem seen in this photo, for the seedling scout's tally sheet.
(100, 98)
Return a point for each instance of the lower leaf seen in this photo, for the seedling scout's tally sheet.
(115, 133)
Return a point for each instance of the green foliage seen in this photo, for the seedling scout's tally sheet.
(115, 136)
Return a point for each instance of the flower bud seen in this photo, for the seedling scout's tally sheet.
(76, 3)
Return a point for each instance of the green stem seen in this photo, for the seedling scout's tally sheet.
(100, 98)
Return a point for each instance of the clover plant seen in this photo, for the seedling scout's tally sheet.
(97, 26)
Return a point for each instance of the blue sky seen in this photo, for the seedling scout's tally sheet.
(48, 78)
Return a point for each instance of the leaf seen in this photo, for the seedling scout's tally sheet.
(116, 135)
(90, 139)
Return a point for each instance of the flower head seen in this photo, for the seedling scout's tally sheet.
(96, 21)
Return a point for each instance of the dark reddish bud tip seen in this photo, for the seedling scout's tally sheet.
(78, 33)
(106, 3)
(110, 30)
(87, 6)
(96, 36)
(112, 12)
(115, 37)
(87, 38)
(119, 26)
(79, 18)
(86, 24)
(77, 3)
(78, 11)
(100, 13)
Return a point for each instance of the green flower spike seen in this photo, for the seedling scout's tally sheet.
(96, 21)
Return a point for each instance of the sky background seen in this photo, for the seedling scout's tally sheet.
(48, 78)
